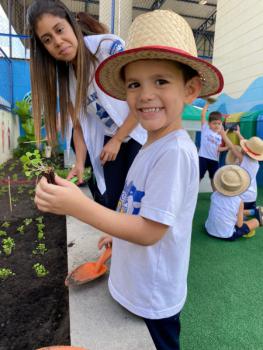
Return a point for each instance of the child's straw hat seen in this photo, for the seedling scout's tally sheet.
(230, 156)
(159, 34)
(231, 180)
(253, 147)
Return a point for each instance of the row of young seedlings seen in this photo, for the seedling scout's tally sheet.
(8, 246)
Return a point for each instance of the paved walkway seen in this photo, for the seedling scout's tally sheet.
(97, 322)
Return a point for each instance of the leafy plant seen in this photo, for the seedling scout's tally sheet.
(26, 141)
(40, 270)
(21, 229)
(6, 224)
(8, 245)
(40, 249)
(15, 177)
(27, 221)
(34, 165)
(2, 233)
(5, 273)
(39, 219)
(40, 233)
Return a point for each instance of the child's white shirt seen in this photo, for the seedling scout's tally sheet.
(222, 215)
(161, 185)
(210, 141)
(252, 167)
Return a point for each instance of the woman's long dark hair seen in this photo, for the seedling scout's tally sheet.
(47, 73)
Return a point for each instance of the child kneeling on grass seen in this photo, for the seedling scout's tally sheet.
(158, 74)
(225, 218)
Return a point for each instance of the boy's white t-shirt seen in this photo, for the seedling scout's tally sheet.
(210, 141)
(222, 215)
(251, 166)
(161, 185)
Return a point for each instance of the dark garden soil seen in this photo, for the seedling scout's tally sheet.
(33, 310)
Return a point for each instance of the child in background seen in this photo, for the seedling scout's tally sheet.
(225, 218)
(158, 74)
(249, 155)
(211, 141)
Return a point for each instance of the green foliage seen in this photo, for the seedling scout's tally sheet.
(8, 244)
(25, 144)
(40, 233)
(27, 221)
(33, 164)
(40, 270)
(21, 229)
(5, 273)
(2, 233)
(6, 224)
(40, 249)
(15, 177)
(39, 219)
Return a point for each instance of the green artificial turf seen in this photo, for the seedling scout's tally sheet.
(224, 308)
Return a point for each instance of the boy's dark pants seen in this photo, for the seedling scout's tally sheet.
(165, 332)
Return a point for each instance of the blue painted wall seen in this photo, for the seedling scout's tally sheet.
(15, 74)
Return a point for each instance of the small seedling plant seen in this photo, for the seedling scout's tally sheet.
(40, 270)
(5, 273)
(34, 165)
(40, 249)
(8, 244)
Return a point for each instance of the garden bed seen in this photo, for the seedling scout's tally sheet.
(33, 310)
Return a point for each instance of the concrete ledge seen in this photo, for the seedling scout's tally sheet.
(97, 322)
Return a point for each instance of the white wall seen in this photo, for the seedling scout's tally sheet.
(9, 132)
(238, 45)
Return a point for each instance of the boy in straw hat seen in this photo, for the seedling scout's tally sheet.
(225, 218)
(158, 74)
(248, 155)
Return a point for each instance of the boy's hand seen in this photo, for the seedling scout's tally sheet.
(61, 198)
(105, 241)
(110, 150)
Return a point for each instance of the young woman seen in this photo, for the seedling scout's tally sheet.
(65, 52)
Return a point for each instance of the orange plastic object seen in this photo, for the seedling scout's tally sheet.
(61, 347)
(89, 271)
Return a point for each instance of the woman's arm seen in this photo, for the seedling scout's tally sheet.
(80, 151)
(112, 147)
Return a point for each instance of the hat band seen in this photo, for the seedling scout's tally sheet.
(250, 151)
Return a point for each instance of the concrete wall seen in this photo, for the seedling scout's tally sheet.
(9, 132)
(238, 46)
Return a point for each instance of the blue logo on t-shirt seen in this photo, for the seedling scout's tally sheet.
(130, 193)
(104, 116)
(116, 47)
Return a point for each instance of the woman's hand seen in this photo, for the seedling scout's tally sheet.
(62, 198)
(110, 150)
(105, 241)
(78, 171)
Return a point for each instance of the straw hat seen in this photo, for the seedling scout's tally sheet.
(231, 180)
(253, 147)
(159, 34)
(230, 156)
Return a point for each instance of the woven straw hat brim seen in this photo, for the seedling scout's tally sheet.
(108, 74)
(232, 193)
(230, 157)
(249, 153)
